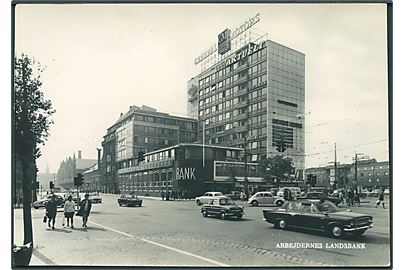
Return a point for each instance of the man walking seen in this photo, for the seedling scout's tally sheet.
(380, 198)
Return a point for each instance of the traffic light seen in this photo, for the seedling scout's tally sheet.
(78, 180)
(51, 185)
(141, 156)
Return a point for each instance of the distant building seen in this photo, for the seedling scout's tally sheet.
(140, 130)
(370, 173)
(69, 168)
(91, 178)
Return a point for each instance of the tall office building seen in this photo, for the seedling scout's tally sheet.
(251, 91)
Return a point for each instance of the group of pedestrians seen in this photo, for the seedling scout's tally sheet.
(69, 211)
(176, 195)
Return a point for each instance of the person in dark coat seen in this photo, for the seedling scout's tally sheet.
(286, 194)
(85, 208)
(51, 210)
(380, 199)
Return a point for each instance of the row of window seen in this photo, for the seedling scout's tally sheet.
(163, 120)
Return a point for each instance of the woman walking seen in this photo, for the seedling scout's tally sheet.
(51, 210)
(69, 211)
(84, 211)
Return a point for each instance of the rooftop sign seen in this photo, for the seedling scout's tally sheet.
(233, 34)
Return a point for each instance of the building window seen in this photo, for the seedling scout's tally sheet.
(146, 140)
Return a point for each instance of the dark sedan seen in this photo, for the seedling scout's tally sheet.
(318, 216)
(222, 207)
(129, 200)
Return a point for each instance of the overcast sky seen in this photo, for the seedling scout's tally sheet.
(103, 58)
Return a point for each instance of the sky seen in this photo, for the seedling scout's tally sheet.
(101, 59)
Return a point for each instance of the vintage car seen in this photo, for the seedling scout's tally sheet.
(234, 195)
(322, 197)
(295, 191)
(207, 195)
(42, 202)
(223, 207)
(265, 197)
(129, 200)
(94, 198)
(318, 216)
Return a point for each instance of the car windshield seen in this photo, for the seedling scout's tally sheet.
(226, 202)
(327, 207)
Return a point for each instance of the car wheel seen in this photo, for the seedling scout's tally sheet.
(337, 231)
(239, 217)
(279, 203)
(205, 214)
(223, 216)
(36, 207)
(120, 204)
(282, 224)
(255, 203)
(198, 202)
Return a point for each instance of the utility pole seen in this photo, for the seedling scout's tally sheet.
(336, 180)
(355, 171)
(98, 169)
(246, 181)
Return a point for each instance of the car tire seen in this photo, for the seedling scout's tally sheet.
(198, 202)
(120, 204)
(279, 203)
(282, 224)
(239, 217)
(204, 213)
(336, 231)
(255, 203)
(223, 216)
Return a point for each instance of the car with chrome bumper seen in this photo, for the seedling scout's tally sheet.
(129, 200)
(321, 216)
(223, 207)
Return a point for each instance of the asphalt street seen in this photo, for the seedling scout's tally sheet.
(174, 233)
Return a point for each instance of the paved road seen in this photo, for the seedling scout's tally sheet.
(175, 233)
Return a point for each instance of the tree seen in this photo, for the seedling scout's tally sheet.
(276, 169)
(31, 121)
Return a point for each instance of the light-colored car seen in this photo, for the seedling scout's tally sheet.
(94, 198)
(206, 196)
(265, 197)
(387, 192)
(295, 191)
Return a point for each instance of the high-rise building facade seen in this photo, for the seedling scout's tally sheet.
(254, 96)
(138, 131)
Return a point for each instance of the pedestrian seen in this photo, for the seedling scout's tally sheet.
(69, 211)
(51, 211)
(162, 195)
(380, 198)
(84, 211)
(242, 196)
(356, 198)
(341, 197)
(286, 195)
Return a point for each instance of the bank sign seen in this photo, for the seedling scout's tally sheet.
(185, 173)
(192, 170)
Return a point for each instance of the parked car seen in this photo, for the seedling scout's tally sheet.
(223, 207)
(206, 196)
(42, 202)
(265, 197)
(129, 200)
(234, 195)
(94, 198)
(322, 196)
(387, 192)
(318, 216)
(295, 191)
(373, 193)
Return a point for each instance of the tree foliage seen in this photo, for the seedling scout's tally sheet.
(31, 121)
(276, 169)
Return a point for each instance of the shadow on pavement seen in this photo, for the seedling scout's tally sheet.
(59, 230)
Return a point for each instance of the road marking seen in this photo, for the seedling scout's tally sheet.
(161, 245)
(42, 257)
